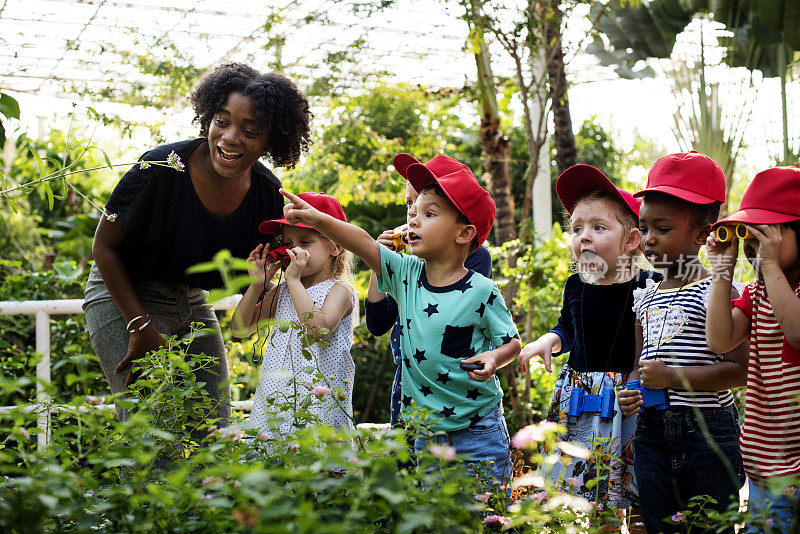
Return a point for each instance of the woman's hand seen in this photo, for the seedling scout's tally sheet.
(260, 272)
(655, 374)
(299, 257)
(140, 343)
(722, 256)
(630, 402)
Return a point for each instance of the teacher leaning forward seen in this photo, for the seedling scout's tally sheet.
(161, 220)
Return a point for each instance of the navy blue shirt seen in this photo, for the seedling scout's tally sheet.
(597, 324)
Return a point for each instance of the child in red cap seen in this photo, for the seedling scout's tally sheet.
(768, 313)
(687, 446)
(380, 309)
(318, 291)
(596, 329)
(451, 316)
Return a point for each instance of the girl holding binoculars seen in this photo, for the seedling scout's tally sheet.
(318, 291)
(768, 313)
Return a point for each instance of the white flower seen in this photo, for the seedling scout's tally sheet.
(111, 217)
(576, 451)
(145, 164)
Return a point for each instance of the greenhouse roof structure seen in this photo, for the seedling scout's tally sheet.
(79, 47)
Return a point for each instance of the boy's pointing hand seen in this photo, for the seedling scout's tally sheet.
(298, 210)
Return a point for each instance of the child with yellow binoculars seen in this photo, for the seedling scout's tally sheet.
(726, 231)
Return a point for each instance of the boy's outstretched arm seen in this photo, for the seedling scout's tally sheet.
(344, 234)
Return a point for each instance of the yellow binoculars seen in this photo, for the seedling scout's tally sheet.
(399, 239)
(725, 232)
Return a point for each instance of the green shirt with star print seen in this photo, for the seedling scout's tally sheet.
(440, 326)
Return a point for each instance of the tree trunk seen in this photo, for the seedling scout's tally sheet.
(493, 143)
(563, 138)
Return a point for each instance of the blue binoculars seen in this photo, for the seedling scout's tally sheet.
(653, 398)
(581, 402)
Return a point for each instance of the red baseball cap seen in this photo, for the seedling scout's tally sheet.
(580, 179)
(690, 176)
(321, 201)
(773, 197)
(457, 182)
(439, 166)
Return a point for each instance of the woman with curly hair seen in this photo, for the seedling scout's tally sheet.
(160, 220)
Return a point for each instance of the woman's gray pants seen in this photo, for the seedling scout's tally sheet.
(172, 309)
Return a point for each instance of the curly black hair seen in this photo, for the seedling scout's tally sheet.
(281, 109)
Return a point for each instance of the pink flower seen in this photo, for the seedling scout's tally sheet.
(532, 434)
(443, 452)
(599, 507)
(678, 517)
(94, 401)
(540, 496)
(208, 496)
(237, 484)
(573, 482)
(210, 481)
(320, 391)
(264, 437)
(483, 497)
(353, 460)
(769, 522)
(489, 519)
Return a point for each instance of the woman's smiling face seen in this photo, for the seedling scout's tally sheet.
(235, 138)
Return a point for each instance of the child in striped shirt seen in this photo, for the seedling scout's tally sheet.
(768, 312)
(690, 448)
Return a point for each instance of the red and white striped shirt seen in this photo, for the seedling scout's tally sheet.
(770, 439)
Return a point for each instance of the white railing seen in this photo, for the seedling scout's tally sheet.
(43, 309)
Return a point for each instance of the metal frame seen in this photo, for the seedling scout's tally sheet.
(43, 309)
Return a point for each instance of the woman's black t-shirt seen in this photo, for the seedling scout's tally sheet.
(167, 228)
(597, 324)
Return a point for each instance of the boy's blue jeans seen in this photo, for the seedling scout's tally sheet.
(675, 461)
(485, 441)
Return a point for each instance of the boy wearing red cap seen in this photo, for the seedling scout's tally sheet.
(451, 315)
(768, 313)
(380, 309)
(690, 446)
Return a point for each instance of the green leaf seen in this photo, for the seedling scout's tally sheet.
(47, 500)
(9, 106)
(202, 268)
(38, 159)
(105, 156)
(2, 135)
(49, 191)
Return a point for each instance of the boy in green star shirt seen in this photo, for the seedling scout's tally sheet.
(452, 315)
